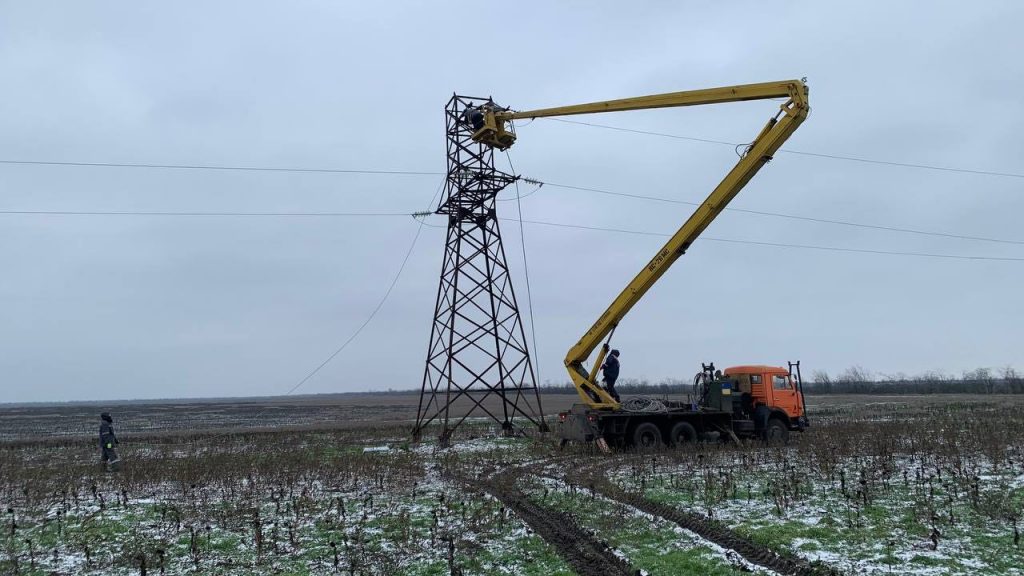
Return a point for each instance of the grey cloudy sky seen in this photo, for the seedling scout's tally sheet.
(137, 307)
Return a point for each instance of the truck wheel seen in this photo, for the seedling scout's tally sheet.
(682, 433)
(647, 437)
(777, 432)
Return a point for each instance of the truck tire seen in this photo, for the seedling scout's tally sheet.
(682, 433)
(777, 432)
(647, 436)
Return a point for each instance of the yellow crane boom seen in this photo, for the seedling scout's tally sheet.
(779, 128)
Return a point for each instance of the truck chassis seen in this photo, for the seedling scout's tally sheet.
(679, 424)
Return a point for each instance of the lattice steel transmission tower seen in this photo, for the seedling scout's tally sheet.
(478, 358)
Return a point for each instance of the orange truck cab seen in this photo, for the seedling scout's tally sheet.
(775, 387)
(766, 401)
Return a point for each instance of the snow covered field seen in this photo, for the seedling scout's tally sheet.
(925, 494)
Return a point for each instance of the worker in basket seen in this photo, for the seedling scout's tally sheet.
(474, 116)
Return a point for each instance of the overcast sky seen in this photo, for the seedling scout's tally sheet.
(102, 307)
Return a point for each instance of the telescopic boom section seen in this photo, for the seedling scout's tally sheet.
(778, 129)
(794, 89)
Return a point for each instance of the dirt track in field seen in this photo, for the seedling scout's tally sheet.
(586, 473)
(721, 535)
(594, 477)
(587, 555)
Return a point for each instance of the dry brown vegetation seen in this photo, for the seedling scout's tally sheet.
(313, 502)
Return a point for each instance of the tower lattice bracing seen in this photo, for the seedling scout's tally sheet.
(478, 363)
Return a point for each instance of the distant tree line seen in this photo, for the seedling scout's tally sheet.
(629, 386)
(854, 380)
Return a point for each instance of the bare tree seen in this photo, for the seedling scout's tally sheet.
(982, 377)
(1012, 379)
(856, 378)
(821, 377)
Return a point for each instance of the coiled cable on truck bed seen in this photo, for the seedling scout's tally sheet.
(643, 404)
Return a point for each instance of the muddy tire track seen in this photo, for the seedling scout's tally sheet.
(587, 555)
(715, 532)
(584, 471)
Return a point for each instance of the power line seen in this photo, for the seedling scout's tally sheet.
(366, 322)
(647, 132)
(553, 184)
(800, 152)
(235, 168)
(564, 120)
(904, 164)
(773, 244)
(220, 167)
(791, 216)
(380, 304)
(369, 318)
(539, 184)
(419, 217)
(193, 214)
(526, 268)
(519, 197)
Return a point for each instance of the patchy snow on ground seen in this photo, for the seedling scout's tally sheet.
(687, 539)
(883, 529)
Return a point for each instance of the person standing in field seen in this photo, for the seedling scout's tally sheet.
(611, 373)
(107, 442)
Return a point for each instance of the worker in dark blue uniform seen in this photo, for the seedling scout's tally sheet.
(107, 442)
(474, 115)
(610, 368)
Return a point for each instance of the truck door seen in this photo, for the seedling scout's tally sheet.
(784, 393)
